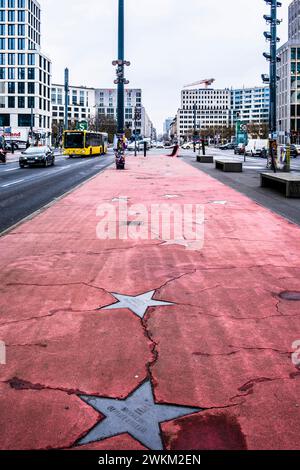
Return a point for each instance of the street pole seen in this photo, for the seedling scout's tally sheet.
(66, 99)
(121, 68)
(272, 79)
(31, 124)
(195, 124)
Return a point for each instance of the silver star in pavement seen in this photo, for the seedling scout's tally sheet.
(137, 304)
(138, 416)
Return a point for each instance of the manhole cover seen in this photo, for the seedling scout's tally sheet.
(290, 295)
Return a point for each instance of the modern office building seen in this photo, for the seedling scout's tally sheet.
(212, 110)
(288, 94)
(81, 104)
(294, 20)
(250, 105)
(25, 73)
(106, 104)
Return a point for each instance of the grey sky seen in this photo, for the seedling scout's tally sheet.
(169, 43)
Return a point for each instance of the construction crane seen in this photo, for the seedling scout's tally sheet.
(206, 83)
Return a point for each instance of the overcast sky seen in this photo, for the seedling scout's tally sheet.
(170, 43)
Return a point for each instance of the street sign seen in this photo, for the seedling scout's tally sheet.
(82, 126)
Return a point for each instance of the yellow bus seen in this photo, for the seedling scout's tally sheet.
(84, 143)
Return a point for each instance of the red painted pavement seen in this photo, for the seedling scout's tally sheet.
(224, 346)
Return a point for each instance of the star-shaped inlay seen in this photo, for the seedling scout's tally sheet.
(138, 416)
(137, 304)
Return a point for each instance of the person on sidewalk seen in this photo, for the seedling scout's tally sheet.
(175, 151)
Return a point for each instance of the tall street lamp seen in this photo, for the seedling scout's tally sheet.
(271, 56)
(120, 63)
(66, 98)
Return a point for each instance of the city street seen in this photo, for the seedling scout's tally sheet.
(24, 191)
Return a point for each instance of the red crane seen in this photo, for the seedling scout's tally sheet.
(206, 83)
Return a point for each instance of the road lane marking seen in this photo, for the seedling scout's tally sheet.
(12, 183)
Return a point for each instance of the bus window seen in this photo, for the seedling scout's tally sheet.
(73, 140)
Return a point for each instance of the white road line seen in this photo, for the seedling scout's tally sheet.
(12, 183)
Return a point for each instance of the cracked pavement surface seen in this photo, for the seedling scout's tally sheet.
(224, 346)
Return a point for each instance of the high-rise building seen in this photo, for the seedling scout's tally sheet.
(25, 73)
(81, 104)
(250, 105)
(106, 105)
(294, 20)
(205, 108)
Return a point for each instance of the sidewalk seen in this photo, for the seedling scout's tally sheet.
(221, 352)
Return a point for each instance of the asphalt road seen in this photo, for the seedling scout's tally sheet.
(24, 191)
(248, 182)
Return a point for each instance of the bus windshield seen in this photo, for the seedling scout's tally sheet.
(74, 140)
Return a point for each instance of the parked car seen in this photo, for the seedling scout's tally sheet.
(187, 145)
(159, 145)
(227, 147)
(239, 149)
(131, 146)
(37, 156)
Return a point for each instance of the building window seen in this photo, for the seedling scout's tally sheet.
(31, 88)
(4, 120)
(2, 73)
(24, 120)
(11, 16)
(2, 29)
(2, 59)
(31, 59)
(11, 74)
(2, 44)
(21, 16)
(21, 88)
(31, 102)
(11, 44)
(11, 30)
(21, 102)
(21, 30)
(21, 73)
(11, 88)
(21, 44)
(11, 59)
(31, 74)
(21, 59)
(11, 102)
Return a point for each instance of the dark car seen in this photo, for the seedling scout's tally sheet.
(227, 147)
(239, 149)
(37, 156)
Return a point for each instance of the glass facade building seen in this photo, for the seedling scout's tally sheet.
(25, 73)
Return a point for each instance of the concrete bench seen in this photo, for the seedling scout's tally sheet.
(230, 166)
(286, 183)
(205, 159)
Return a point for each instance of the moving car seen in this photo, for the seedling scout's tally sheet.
(37, 156)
